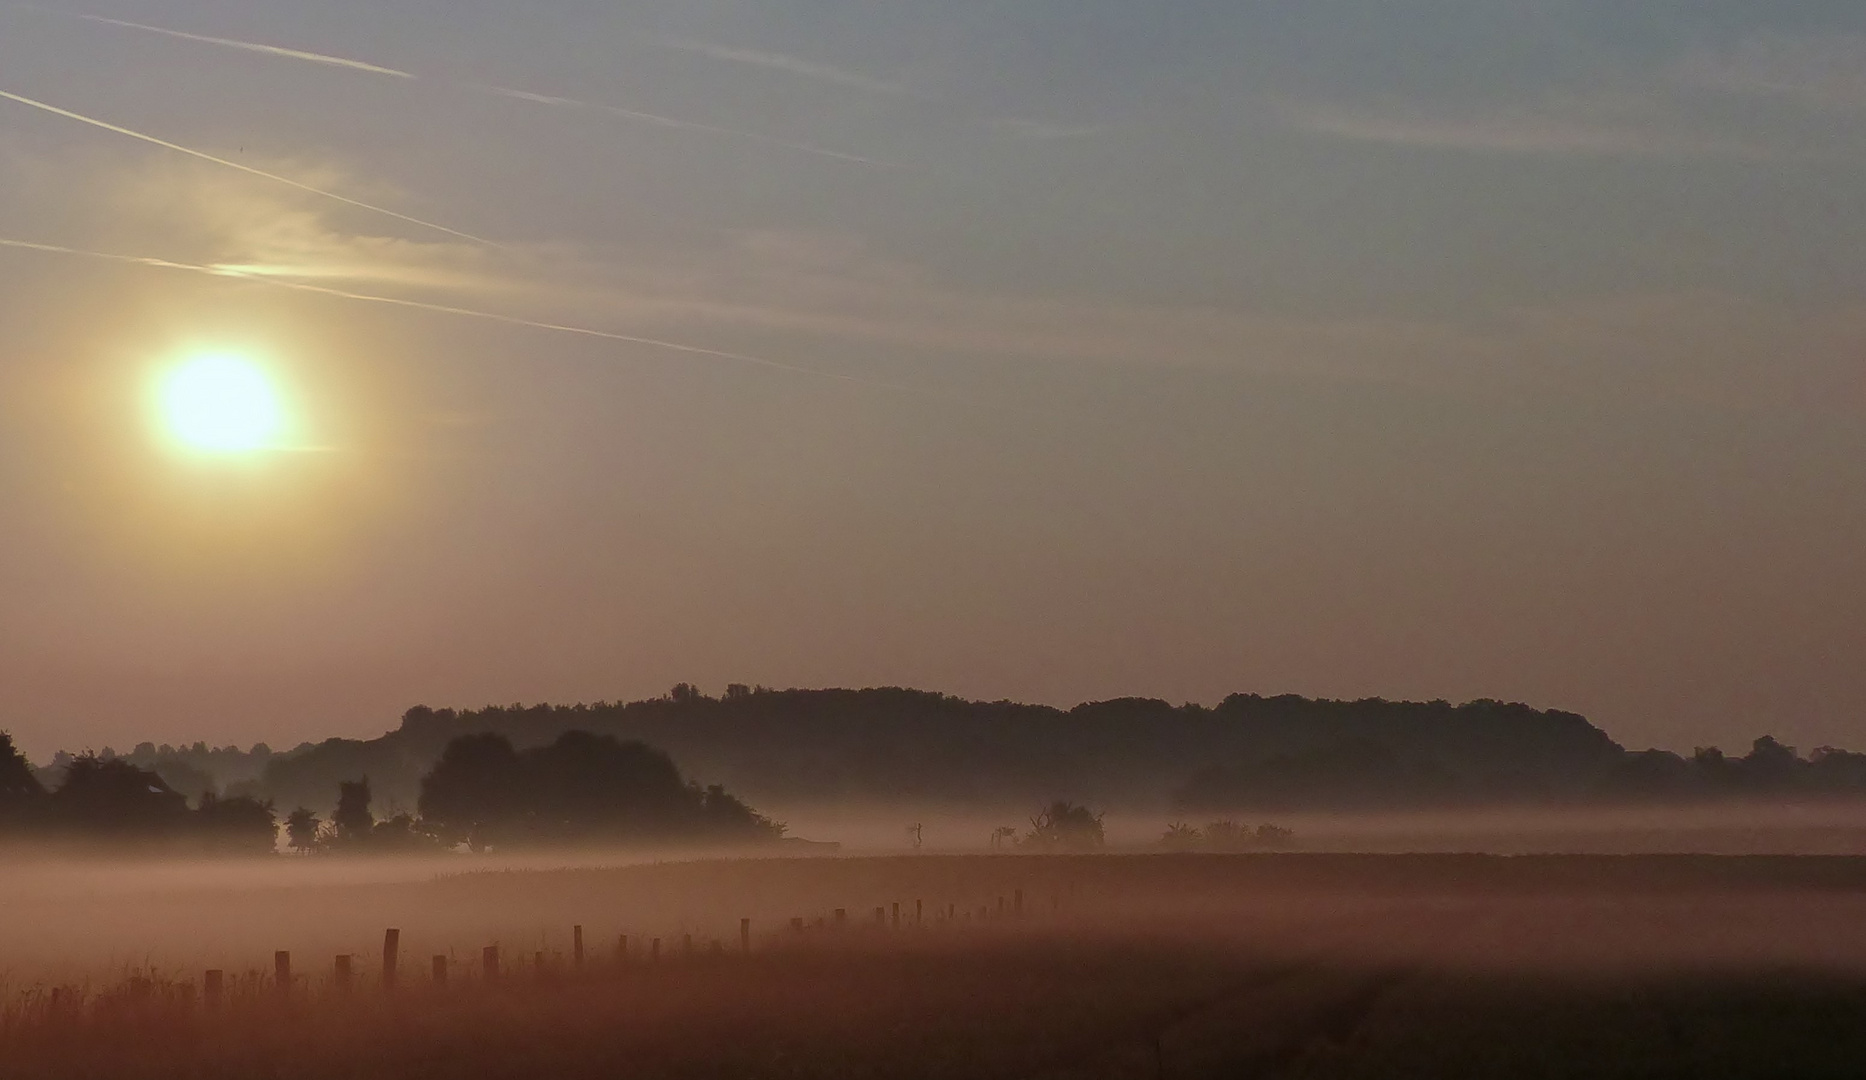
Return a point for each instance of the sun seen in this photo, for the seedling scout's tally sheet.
(221, 403)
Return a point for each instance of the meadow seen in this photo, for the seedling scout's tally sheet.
(1287, 965)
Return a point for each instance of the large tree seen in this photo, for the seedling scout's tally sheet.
(110, 798)
(581, 788)
(20, 793)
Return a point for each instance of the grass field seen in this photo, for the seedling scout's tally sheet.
(1261, 965)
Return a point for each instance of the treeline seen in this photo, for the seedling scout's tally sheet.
(1247, 753)
(887, 746)
(1367, 775)
(482, 793)
(581, 789)
(110, 802)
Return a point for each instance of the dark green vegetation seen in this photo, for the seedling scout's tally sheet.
(1249, 753)
(1130, 966)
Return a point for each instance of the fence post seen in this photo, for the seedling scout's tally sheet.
(282, 973)
(342, 973)
(391, 956)
(576, 947)
(1017, 902)
(440, 970)
(919, 913)
(211, 985)
(745, 935)
(489, 963)
(881, 916)
(894, 915)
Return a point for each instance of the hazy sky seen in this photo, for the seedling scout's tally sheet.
(1053, 351)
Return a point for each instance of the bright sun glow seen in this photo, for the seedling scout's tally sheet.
(221, 403)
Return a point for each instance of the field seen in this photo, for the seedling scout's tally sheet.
(1108, 966)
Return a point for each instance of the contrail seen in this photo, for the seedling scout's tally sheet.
(273, 50)
(446, 309)
(521, 95)
(289, 182)
(686, 125)
(781, 62)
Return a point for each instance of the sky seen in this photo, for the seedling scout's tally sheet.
(1056, 351)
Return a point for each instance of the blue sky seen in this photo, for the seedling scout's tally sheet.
(1057, 352)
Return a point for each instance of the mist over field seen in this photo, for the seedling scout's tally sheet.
(1075, 539)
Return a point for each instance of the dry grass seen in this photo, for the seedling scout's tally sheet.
(1194, 966)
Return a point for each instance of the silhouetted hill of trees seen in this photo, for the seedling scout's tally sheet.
(789, 747)
(804, 747)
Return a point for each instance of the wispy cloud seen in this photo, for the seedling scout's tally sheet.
(686, 125)
(250, 46)
(1044, 131)
(248, 169)
(235, 272)
(791, 64)
(1827, 72)
(1585, 128)
(637, 115)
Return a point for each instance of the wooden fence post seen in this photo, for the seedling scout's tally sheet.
(1017, 902)
(881, 916)
(919, 913)
(489, 963)
(391, 956)
(576, 947)
(894, 915)
(282, 973)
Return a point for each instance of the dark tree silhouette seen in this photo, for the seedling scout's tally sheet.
(580, 788)
(108, 798)
(1064, 826)
(237, 826)
(21, 797)
(352, 821)
(301, 830)
(473, 790)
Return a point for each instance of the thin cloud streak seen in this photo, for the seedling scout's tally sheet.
(250, 46)
(240, 274)
(684, 125)
(781, 62)
(520, 95)
(274, 177)
(1533, 132)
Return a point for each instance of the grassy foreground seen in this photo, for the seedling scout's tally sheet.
(1117, 967)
